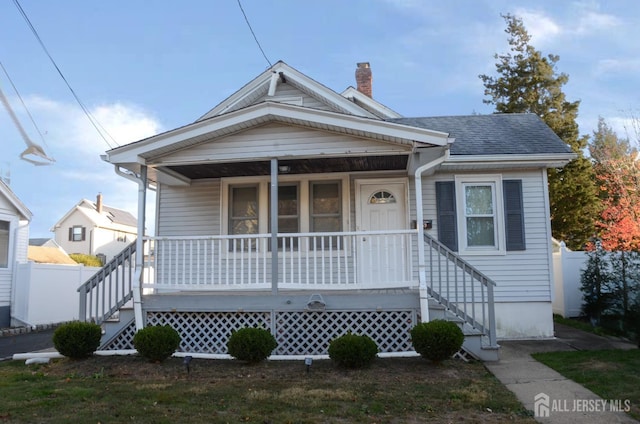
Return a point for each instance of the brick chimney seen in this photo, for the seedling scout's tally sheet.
(364, 78)
(99, 203)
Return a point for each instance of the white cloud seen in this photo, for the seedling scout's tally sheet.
(540, 26)
(615, 66)
(592, 21)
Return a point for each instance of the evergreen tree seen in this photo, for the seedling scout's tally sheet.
(527, 82)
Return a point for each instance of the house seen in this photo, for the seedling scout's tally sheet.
(14, 236)
(93, 228)
(47, 251)
(313, 213)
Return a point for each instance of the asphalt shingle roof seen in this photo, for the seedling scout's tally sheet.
(496, 134)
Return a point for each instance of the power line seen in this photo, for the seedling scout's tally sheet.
(91, 118)
(252, 33)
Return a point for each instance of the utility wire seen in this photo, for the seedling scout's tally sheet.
(91, 118)
(23, 104)
(252, 33)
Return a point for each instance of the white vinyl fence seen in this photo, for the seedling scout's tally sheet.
(567, 270)
(47, 293)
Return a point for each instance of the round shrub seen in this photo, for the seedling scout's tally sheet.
(156, 343)
(251, 344)
(77, 339)
(437, 340)
(353, 351)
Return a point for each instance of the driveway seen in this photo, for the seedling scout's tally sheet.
(26, 342)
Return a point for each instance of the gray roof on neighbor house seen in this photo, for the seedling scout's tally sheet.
(119, 216)
(496, 134)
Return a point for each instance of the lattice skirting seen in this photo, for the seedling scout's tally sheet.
(297, 333)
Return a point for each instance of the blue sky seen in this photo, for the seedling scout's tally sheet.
(145, 67)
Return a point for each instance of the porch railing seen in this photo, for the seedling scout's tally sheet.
(346, 260)
(461, 288)
(108, 289)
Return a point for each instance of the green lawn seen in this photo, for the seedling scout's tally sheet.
(611, 374)
(129, 389)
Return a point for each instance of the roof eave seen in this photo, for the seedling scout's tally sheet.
(266, 112)
(540, 160)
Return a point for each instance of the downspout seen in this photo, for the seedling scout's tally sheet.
(422, 264)
(136, 285)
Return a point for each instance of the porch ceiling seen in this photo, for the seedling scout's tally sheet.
(298, 166)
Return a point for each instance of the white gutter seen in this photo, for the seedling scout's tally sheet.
(142, 201)
(422, 265)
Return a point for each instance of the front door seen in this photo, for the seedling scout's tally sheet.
(382, 206)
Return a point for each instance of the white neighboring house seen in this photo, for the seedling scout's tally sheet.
(92, 228)
(14, 241)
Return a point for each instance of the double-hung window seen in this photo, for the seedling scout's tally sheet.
(243, 214)
(480, 214)
(4, 243)
(77, 233)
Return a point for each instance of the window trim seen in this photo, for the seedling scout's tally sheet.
(495, 181)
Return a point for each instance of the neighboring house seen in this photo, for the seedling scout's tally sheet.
(14, 236)
(93, 228)
(47, 251)
(314, 213)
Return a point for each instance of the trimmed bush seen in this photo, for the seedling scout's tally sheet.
(252, 345)
(437, 340)
(353, 351)
(87, 260)
(156, 343)
(77, 339)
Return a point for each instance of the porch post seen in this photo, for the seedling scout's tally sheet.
(422, 261)
(422, 266)
(137, 281)
(274, 226)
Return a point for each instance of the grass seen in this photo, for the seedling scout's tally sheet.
(581, 325)
(117, 389)
(611, 374)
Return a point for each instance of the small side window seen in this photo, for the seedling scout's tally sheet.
(77, 233)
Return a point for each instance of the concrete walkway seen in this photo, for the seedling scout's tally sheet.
(565, 400)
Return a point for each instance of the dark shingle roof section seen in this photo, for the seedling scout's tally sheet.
(497, 134)
(118, 216)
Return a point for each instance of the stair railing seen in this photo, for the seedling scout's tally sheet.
(461, 288)
(108, 289)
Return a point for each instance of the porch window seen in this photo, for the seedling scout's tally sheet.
(305, 205)
(243, 217)
(288, 211)
(325, 211)
(4, 244)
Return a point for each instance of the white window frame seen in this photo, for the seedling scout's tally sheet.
(304, 186)
(494, 181)
(11, 242)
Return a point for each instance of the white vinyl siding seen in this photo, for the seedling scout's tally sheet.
(287, 93)
(189, 211)
(281, 140)
(520, 275)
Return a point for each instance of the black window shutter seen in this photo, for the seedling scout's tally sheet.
(70, 233)
(446, 208)
(84, 233)
(514, 214)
